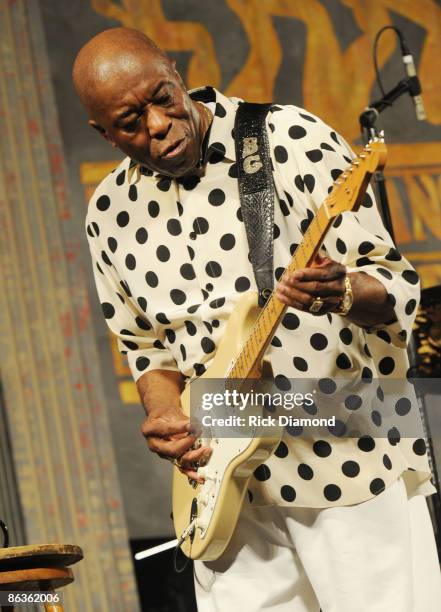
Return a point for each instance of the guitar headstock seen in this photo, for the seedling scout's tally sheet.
(350, 187)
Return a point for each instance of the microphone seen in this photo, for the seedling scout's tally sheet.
(415, 85)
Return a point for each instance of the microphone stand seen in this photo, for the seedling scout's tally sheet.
(367, 121)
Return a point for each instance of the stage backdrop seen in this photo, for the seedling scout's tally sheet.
(313, 53)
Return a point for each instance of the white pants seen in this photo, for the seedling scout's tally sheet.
(378, 556)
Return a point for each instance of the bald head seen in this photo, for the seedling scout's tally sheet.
(110, 57)
(138, 102)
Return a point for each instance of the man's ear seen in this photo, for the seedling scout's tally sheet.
(96, 126)
(173, 69)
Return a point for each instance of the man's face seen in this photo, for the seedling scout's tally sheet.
(147, 113)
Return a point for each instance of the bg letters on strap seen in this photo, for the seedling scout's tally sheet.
(256, 191)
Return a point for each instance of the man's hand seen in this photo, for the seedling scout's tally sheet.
(325, 279)
(167, 429)
(170, 435)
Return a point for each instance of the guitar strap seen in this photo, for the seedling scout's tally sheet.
(256, 191)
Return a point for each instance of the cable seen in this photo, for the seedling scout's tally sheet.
(187, 533)
(403, 46)
(180, 569)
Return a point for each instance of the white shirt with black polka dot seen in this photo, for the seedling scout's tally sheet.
(170, 259)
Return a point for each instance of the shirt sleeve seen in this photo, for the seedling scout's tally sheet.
(358, 240)
(135, 334)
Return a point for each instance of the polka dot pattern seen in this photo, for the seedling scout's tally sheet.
(171, 260)
(351, 469)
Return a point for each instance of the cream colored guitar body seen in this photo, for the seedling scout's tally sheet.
(216, 504)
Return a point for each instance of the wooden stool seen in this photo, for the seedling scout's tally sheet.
(37, 568)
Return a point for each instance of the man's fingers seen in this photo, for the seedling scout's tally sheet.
(326, 272)
(321, 288)
(200, 455)
(304, 294)
(191, 473)
(303, 301)
(188, 460)
(293, 296)
(329, 304)
(170, 448)
(165, 427)
(318, 282)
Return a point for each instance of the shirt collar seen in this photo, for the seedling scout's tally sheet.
(220, 137)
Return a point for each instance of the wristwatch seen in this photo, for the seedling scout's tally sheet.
(347, 299)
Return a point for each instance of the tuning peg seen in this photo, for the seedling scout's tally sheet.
(355, 162)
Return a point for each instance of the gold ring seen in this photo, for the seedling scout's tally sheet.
(173, 460)
(316, 306)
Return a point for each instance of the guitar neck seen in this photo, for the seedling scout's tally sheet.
(263, 330)
(345, 196)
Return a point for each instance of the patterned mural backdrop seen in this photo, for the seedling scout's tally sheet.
(313, 53)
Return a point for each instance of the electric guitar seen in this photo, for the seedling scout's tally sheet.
(205, 514)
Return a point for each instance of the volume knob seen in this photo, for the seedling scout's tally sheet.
(202, 524)
(203, 499)
(205, 472)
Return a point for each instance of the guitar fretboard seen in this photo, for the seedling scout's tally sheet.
(270, 316)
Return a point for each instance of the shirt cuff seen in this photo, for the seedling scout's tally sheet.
(398, 327)
(145, 360)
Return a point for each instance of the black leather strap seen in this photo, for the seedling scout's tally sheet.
(256, 191)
